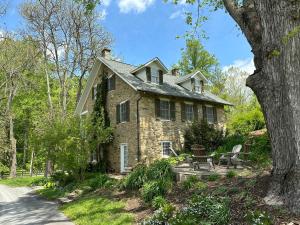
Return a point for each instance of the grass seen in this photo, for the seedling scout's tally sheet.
(19, 181)
(95, 210)
(51, 193)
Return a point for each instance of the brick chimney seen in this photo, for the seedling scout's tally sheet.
(105, 53)
(175, 72)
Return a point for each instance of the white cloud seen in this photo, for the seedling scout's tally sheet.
(246, 65)
(138, 6)
(176, 14)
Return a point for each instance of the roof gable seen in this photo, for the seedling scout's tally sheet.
(157, 60)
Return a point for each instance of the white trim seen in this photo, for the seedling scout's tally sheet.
(192, 76)
(156, 59)
(162, 148)
(122, 157)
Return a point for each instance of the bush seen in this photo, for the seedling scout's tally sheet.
(213, 177)
(228, 143)
(260, 150)
(258, 218)
(62, 178)
(41, 181)
(200, 132)
(152, 189)
(100, 181)
(160, 169)
(161, 215)
(175, 160)
(158, 202)
(136, 178)
(190, 182)
(231, 174)
(3, 169)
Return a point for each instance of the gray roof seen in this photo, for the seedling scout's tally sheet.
(168, 88)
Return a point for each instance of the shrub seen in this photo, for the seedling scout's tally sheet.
(200, 185)
(158, 202)
(260, 150)
(258, 218)
(213, 177)
(231, 174)
(160, 169)
(175, 160)
(155, 188)
(62, 178)
(136, 178)
(3, 169)
(161, 215)
(190, 182)
(100, 181)
(50, 184)
(200, 132)
(40, 181)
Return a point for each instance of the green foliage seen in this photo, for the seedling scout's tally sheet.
(41, 181)
(160, 169)
(62, 178)
(3, 169)
(100, 181)
(136, 178)
(258, 218)
(213, 177)
(200, 210)
(152, 189)
(229, 142)
(19, 181)
(231, 174)
(244, 121)
(175, 160)
(200, 132)
(159, 202)
(195, 57)
(190, 182)
(260, 150)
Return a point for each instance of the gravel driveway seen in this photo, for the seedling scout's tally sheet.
(21, 206)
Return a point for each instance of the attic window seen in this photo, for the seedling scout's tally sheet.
(197, 86)
(155, 76)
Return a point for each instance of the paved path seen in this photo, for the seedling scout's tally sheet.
(20, 206)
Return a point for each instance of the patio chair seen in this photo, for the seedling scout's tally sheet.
(232, 158)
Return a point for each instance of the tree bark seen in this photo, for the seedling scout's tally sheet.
(31, 163)
(276, 83)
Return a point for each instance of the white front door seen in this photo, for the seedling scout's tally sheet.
(124, 157)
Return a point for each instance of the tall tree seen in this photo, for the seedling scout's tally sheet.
(69, 37)
(273, 32)
(195, 57)
(17, 59)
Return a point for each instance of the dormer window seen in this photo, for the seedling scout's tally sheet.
(155, 76)
(197, 86)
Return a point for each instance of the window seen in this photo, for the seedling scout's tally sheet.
(189, 112)
(111, 83)
(166, 151)
(123, 112)
(210, 114)
(155, 76)
(197, 86)
(94, 92)
(164, 108)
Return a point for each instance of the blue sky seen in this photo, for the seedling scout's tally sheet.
(143, 29)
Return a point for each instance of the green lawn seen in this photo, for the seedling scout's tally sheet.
(51, 193)
(95, 210)
(19, 181)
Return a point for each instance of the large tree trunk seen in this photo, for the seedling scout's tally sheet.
(31, 163)
(277, 86)
(271, 27)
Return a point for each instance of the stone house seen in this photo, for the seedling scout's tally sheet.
(149, 108)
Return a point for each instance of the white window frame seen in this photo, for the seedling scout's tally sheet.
(123, 120)
(108, 81)
(123, 162)
(186, 112)
(197, 85)
(154, 76)
(169, 109)
(162, 149)
(212, 114)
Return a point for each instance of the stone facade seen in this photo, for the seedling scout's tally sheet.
(152, 131)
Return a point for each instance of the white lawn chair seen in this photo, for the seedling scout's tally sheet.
(231, 158)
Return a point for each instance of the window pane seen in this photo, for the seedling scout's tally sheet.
(155, 76)
(189, 112)
(109, 84)
(165, 110)
(125, 156)
(166, 148)
(123, 112)
(210, 114)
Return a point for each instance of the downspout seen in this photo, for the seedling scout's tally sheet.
(138, 150)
